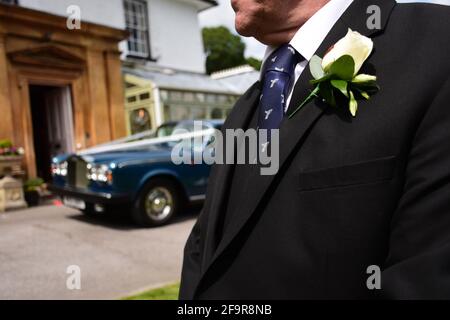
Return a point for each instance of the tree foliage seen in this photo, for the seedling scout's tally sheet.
(223, 49)
(255, 63)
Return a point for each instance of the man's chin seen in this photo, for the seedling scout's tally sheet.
(245, 29)
(276, 38)
(250, 28)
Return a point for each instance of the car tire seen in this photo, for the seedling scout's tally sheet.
(158, 202)
(89, 210)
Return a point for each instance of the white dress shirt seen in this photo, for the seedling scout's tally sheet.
(311, 35)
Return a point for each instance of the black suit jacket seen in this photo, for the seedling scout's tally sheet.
(350, 192)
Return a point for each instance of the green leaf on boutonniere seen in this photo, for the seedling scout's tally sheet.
(364, 79)
(341, 85)
(369, 88)
(323, 79)
(363, 93)
(315, 66)
(339, 78)
(353, 104)
(343, 68)
(311, 96)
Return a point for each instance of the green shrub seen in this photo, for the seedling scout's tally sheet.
(33, 184)
(6, 143)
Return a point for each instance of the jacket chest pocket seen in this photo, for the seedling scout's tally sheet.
(360, 173)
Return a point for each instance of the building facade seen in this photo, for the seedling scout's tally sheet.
(159, 29)
(131, 66)
(60, 89)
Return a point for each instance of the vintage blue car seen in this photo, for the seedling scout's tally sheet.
(138, 176)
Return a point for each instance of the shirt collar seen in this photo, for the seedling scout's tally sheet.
(311, 35)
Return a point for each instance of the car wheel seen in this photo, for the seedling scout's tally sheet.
(157, 203)
(89, 210)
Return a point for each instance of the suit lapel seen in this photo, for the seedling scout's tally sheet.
(292, 131)
(239, 118)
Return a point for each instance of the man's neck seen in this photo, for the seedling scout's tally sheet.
(307, 39)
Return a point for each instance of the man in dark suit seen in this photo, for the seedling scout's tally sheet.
(351, 192)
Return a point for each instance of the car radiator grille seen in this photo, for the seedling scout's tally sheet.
(77, 173)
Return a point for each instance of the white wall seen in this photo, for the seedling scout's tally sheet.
(175, 35)
(105, 12)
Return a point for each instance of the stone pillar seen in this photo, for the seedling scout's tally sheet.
(6, 123)
(115, 94)
(12, 194)
(99, 101)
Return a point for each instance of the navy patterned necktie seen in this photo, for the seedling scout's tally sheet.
(278, 79)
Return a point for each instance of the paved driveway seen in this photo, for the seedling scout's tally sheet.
(115, 257)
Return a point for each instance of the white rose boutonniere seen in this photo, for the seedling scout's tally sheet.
(336, 77)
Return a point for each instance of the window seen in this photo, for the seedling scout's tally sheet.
(178, 112)
(137, 24)
(188, 97)
(140, 121)
(144, 96)
(176, 95)
(164, 95)
(211, 98)
(198, 113)
(216, 113)
(222, 99)
(200, 97)
(131, 99)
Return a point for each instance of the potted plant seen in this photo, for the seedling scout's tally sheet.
(10, 158)
(33, 189)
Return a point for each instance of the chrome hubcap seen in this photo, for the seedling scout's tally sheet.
(159, 203)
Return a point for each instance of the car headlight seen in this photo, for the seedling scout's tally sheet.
(99, 173)
(59, 169)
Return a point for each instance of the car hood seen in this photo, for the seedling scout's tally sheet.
(150, 152)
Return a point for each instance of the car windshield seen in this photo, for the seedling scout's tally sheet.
(190, 126)
(164, 131)
(141, 136)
